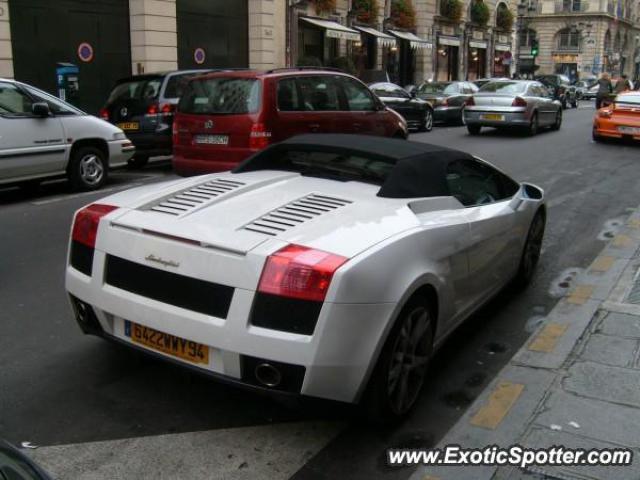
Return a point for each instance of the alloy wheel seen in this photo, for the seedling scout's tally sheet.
(409, 360)
(428, 120)
(91, 169)
(532, 249)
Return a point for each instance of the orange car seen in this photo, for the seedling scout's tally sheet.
(621, 119)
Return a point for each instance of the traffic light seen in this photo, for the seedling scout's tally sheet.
(534, 48)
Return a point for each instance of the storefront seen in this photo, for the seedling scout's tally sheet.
(365, 53)
(476, 59)
(567, 64)
(502, 59)
(447, 58)
(400, 61)
(318, 40)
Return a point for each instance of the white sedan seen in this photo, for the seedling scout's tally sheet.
(330, 266)
(42, 137)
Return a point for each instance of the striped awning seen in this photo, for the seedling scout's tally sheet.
(382, 38)
(414, 40)
(333, 29)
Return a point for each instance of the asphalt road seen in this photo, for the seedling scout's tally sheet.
(59, 387)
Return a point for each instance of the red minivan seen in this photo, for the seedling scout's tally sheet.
(225, 117)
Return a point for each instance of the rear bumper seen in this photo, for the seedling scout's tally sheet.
(610, 130)
(151, 144)
(446, 114)
(509, 118)
(333, 368)
(201, 160)
(120, 151)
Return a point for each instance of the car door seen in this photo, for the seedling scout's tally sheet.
(494, 250)
(364, 116)
(30, 146)
(546, 106)
(397, 98)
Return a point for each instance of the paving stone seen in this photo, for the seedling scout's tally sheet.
(546, 438)
(610, 350)
(621, 325)
(613, 384)
(622, 425)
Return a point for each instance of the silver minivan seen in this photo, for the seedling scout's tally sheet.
(41, 137)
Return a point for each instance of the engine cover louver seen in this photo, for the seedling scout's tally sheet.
(195, 197)
(295, 213)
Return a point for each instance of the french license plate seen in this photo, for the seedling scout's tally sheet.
(629, 130)
(492, 116)
(211, 139)
(166, 343)
(129, 126)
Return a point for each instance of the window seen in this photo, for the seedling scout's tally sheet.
(389, 90)
(504, 87)
(358, 96)
(319, 94)
(176, 84)
(14, 102)
(527, 36)
(221, 96)
(439, 87)
(568, 40)
(628, 99)
(475, 183)
(287, 94)
(57, 106)
(139, 89)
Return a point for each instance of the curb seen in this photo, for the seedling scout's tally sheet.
(505, 409)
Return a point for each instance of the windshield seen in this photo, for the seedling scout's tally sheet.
(57, 106)
(221, 96)
(628, 99)
(503, 87)
(138, 89)
(324, 164)
(389, 91)
(438, 87)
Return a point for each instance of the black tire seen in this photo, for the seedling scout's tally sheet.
(558, 123)
(533, 126)
(427, 121)
(387, 401)
(400, 135)
(138, 161)
(88, 168)
(531, 251)
(596, 138)
(474, 129)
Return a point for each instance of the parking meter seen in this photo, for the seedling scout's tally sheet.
(68, 84)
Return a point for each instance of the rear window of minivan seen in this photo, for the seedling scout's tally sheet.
(221, 96)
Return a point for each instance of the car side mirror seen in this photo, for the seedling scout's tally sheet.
(40, 109)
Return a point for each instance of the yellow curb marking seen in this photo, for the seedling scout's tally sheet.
(546, 340)
(602, 264)
(499, 404)
(580, 294)
(621, 241)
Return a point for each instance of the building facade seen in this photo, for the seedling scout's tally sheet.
(582, 38)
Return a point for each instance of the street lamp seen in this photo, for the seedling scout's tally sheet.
(523, 7)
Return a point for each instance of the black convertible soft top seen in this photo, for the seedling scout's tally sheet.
(419, 169)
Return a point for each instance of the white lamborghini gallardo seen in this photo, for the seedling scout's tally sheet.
(330, 266)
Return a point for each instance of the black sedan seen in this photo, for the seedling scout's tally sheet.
(448, 99)
(418, 113)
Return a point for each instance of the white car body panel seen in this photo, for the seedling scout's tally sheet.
(394, 246)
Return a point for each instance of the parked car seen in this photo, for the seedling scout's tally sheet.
(482, 81)
(143, 106)
(42, 137)
(620, 120)
(560, 88)
(268, 276)
(448, 99)
(15, 465)
(418, 113)
(513, 103)
(223, 118)
(591, 92)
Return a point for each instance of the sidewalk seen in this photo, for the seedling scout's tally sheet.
(575, 383)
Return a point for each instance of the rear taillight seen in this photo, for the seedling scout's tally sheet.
(470, 102)
(605, 113)
(104, 114)
(299, 272)
(152, 109)
(85, 225)
(519, 102)
(259, 137)
(167, 108)
(164, 109)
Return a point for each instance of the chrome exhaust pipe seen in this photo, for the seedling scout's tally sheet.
(268, 375)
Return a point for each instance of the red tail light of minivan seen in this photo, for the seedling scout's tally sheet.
(104, 114)
(259, 137)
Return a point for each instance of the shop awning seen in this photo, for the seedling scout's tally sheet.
(414, 40)
(333, 29)
(383, 39)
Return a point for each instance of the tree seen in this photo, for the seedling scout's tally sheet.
(480, 12)
(403, 14)
(366, 10)
(451, 9)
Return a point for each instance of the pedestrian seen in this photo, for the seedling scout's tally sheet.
(622, 84)
(604, 89)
